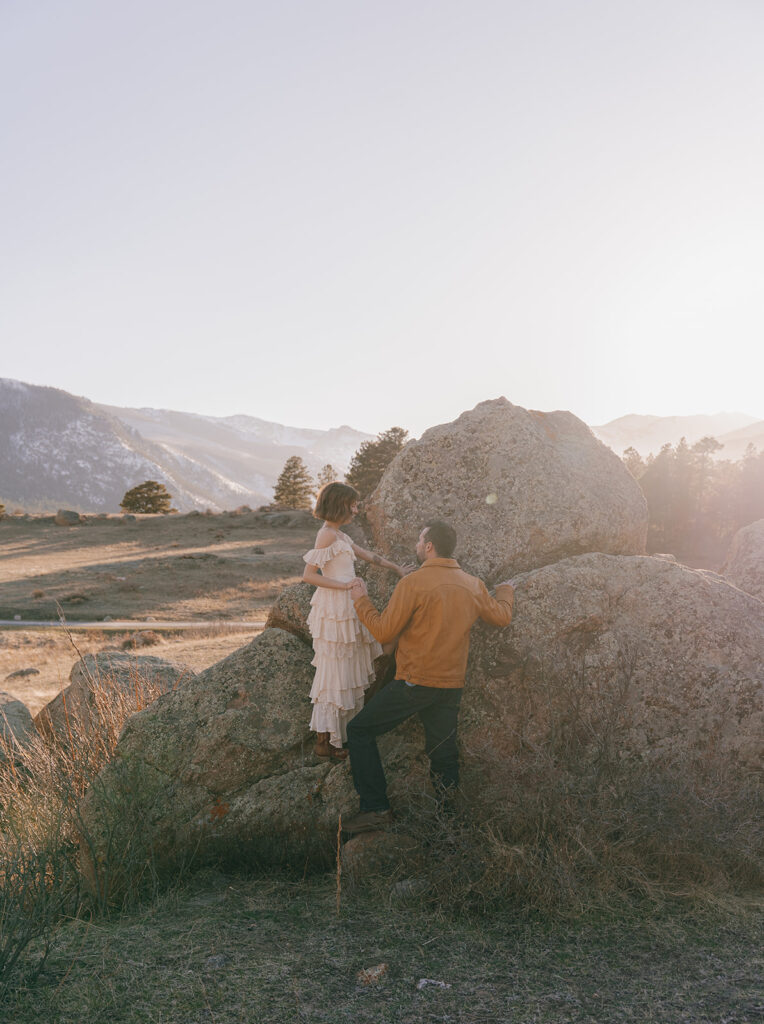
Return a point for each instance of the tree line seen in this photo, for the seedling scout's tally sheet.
(295, 487)
(696, 503)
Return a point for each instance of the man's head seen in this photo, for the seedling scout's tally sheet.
(437, 540)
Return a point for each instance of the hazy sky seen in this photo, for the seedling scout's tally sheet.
(381, 213)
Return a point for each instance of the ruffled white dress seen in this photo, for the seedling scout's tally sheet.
(344, 648)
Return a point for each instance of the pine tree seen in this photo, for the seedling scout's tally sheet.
(372, 459)
(148, 497)
(294, 487)
(327, 475)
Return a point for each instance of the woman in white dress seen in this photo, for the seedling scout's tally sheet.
(344, 648)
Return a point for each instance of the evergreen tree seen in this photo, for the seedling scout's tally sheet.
(372, 459)
(327, 475)
(634, 462)
(148, 497)
(294, 487)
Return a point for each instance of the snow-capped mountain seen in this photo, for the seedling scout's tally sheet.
(57, 449)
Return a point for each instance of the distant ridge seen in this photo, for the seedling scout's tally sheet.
(648, 434)
(58, 449)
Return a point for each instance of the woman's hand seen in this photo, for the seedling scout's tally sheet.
(404, 570)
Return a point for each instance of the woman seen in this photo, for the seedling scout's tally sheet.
(344, 648)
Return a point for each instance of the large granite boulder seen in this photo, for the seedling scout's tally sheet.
(662, 661)
(224, 765)
(290, 611)
(522, 488)
(744, 565)
(97, 679)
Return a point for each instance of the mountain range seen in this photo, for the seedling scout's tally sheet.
(59, 450)
(647, 434)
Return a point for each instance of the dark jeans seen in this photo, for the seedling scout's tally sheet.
(438, 710)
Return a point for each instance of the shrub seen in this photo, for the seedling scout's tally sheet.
(148, 497)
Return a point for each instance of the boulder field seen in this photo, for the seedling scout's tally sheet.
(641, 659)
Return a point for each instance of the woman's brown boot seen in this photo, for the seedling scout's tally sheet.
(322, 748)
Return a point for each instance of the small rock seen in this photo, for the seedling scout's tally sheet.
(218, 961)
(372, 975)
(22, 672)
(409, 888)
(107, 618)
(144, 638)
(425, 982)
(17, 618)
(65, 517)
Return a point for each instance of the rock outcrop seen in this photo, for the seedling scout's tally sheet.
(648, 660)
(522, 489)
(744, 565)
(95, 677)
(612, 660)
(226, 760)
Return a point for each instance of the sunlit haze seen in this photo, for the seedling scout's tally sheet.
(384, 213)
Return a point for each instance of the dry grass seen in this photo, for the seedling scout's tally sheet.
(569, 820)
(231, 950)
(42, 836)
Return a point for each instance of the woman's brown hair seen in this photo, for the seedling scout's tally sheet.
(334, 501)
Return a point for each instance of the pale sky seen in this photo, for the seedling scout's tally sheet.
(381, 213)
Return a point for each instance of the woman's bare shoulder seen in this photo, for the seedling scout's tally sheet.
(325, 537)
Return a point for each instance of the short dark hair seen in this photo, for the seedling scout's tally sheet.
(442, 536)
(334, 501)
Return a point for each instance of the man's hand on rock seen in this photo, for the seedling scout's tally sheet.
(358, 589)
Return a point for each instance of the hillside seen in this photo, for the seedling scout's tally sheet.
(59, 450)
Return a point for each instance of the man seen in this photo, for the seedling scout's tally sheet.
(431, 612)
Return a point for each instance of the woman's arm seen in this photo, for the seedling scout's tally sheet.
(313, 575)
(374, 559)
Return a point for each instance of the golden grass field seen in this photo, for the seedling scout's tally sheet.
(209, 570)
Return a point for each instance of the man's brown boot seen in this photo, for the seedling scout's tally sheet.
(368, 821)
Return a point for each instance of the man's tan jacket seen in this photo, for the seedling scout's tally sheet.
(433, 610)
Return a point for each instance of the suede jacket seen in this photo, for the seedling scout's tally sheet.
(433, 610)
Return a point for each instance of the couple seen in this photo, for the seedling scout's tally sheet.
(429, 616)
